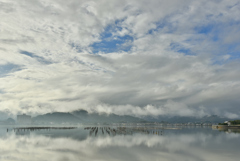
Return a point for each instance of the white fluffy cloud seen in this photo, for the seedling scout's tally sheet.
(175, 57)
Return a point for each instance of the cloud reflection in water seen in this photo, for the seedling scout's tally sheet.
(174, 145)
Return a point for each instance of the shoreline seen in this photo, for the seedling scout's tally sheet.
(225, 127)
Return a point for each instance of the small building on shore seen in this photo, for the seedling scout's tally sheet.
(24, 119)
(228, 122)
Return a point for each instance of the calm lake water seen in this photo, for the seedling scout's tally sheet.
(112, 144)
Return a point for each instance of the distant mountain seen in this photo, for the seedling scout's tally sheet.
(8, 121)
(186, 119)
(214, 119)
(55, 118)
(105, 118)
(82, 116)
(4, 114)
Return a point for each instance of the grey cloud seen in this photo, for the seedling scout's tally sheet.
(7, 7)
(32, 55)
(62, 73)
(12, 41)
(2, 49)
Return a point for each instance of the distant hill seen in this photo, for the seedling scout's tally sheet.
(8, 121)
(56, 118)
(186, 119)
(105, 118)
(82, 116)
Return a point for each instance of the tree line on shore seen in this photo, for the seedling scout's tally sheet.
(234, 122)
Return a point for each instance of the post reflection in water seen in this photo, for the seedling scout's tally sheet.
(119, 143)
(111, 131)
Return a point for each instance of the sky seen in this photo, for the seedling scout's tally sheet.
(134, 57)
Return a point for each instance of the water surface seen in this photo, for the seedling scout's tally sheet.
(131, 144)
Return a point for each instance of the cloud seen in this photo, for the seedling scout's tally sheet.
(127, 57)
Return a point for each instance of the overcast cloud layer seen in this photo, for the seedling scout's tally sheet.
(136, 57)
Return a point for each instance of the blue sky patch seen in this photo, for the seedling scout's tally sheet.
(181, 49)
(8, 68)
(209, 30)
(163, 24)
(204, 29)
(111, 43)
(231, 50)
(159, 25)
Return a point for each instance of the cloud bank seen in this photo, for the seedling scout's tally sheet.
(136, 57)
